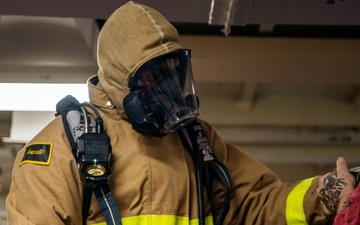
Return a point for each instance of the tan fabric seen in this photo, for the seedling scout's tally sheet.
(131, 36)
(150, 175)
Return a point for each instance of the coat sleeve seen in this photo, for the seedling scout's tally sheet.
(258, 196)
(46, 185)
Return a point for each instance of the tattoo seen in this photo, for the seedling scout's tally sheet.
(346, 204)
(331, 191)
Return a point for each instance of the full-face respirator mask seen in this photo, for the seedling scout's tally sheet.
(162, 96)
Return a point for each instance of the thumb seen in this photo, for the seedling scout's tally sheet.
(341, 165)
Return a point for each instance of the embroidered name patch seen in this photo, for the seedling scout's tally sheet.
(38, 153)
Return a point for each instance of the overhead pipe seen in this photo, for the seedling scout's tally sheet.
(221, 13)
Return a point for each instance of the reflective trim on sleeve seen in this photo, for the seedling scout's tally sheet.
(161, 220)
(295, 214)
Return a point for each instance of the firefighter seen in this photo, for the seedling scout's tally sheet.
(144, 95)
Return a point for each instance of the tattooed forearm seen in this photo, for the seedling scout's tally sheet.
(330, 193)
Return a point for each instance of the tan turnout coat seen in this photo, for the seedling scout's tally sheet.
(153, 178)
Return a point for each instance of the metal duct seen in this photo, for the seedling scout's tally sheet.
(223, 13)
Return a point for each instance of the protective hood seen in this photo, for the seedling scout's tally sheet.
(131, 36)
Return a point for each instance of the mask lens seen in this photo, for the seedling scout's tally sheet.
(168, 83)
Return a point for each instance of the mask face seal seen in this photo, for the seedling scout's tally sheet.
(162, 97)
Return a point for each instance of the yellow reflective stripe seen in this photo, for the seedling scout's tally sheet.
(295, 214)
(161, 220)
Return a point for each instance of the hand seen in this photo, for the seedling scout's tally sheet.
(334, 188)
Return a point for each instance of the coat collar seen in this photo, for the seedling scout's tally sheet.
(99, 98)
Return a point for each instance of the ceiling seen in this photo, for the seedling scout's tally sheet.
(267, 72)
(242, 12)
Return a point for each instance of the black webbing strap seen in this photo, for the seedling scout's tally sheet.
(107, 204)
(86, 202)
(73, 120)
(69, 108)
(106, 201)
(194, 138)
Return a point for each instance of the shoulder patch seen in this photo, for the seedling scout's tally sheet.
(38, 153)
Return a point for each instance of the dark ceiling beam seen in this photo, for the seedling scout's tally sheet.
(187, 11)
(176, 11)
(298, 31)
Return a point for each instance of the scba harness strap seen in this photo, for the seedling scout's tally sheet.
(91, 149)
(83, 131)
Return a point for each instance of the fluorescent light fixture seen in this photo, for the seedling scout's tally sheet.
(38, 96)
